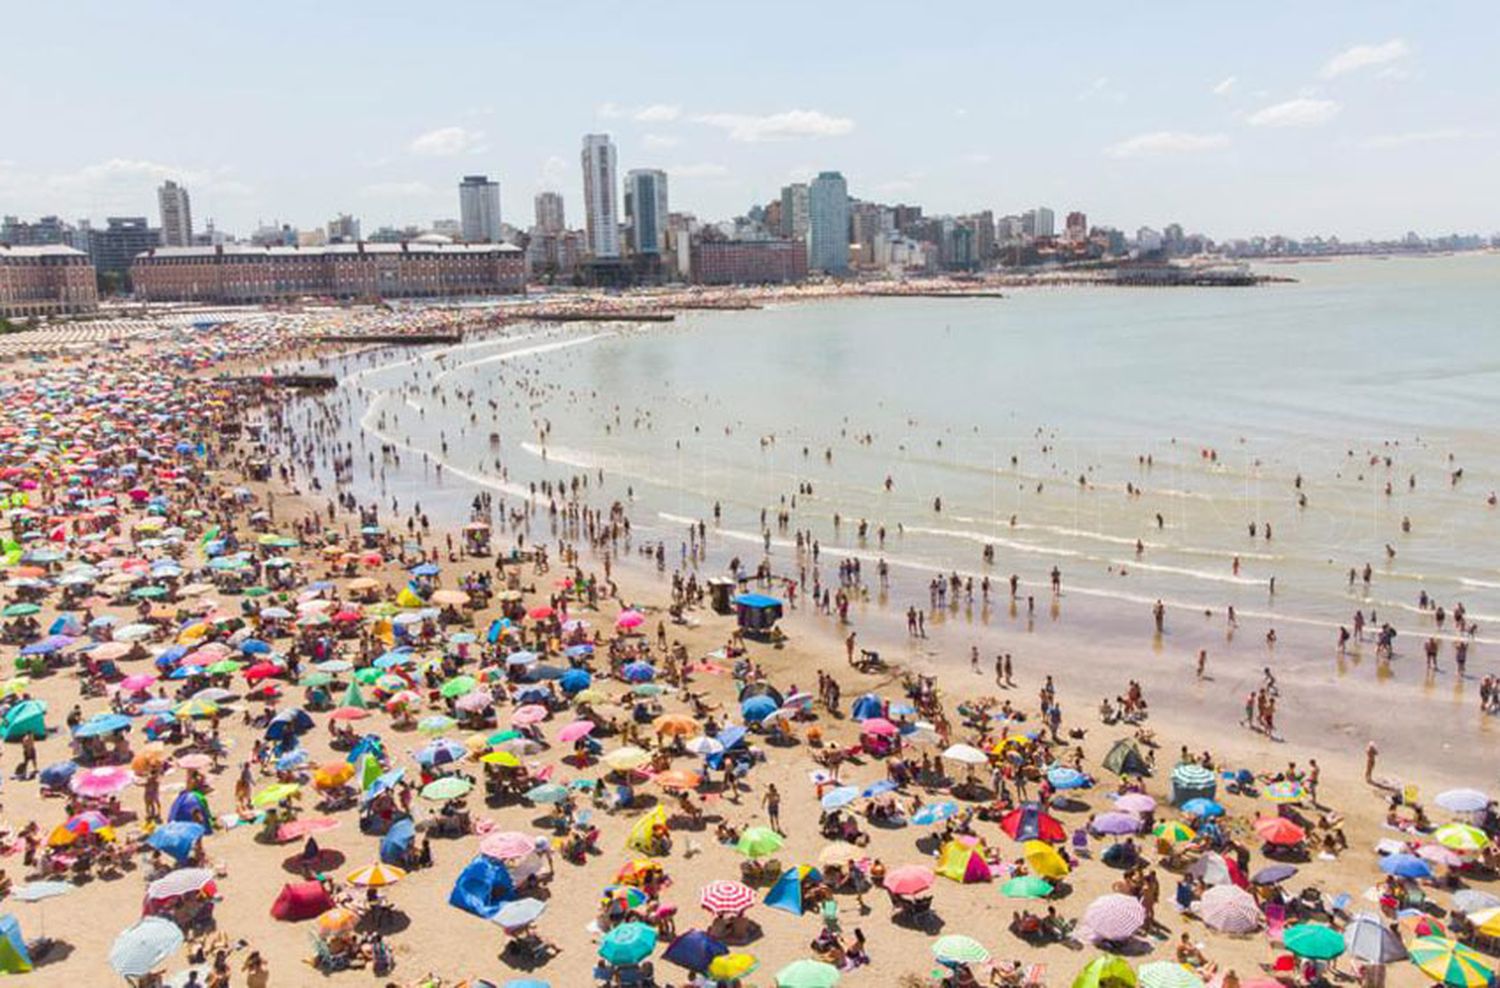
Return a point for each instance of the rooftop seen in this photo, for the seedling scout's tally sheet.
(45, 250)
(422, 245)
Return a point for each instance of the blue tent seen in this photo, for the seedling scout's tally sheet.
(176, 838)
(867, 706)
(292, 721)
(395, 846)
(481, 887)
(14, 957)
(694, 950)
(786, 894)
(191, 807)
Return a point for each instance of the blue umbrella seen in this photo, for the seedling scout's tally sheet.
(291, 722)
(255, 646)
(758, 708)
(731, 736)
(425, 569)
(56, 775)
(840, 797)
(1201, 807)
(935, 813)
(628, 943)
(526, 983)
(638, 672)
(443, 751)
(578, 651)
(1063, 777)
(101, 724)
(396, 843)
(878, 788)
(177, 838)
(293, 759)
(575, 680)
(694, 950)
(522, 658)
(1406, 866)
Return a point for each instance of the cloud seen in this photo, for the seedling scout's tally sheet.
(1224, 86)
(700, 170)
(1365, 56)
(777, 126)
(1385, 141)
(556, 170)
(1164, 142)
(1300, 112)
(397, 190)
(657, 113)
(447, 141)
(659, 141)
(609, 111)
(119, 182)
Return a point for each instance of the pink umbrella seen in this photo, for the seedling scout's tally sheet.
(137, 683)
(1440, 855)
(1114, 917)
(572, 732)
(530, 714)
(297, 829)
(909, 879)
(195, 760)
(475, 701)
(507, 845)
(630, 619)
(726, 898)
(1229, 909)
(878, 726)
(110, 650)
(102, 780)
(1136, 802)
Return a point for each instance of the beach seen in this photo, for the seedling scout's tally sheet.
(559, 439)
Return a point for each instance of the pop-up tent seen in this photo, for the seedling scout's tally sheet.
(786, 894)
(1125, 759)
(14, 958)
(395, 846)
(191, 806)
(301, 900)
(482, 887)
(963, 861)
(1030, 822)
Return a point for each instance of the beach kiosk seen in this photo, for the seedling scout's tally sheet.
(757, 613)
(720, 593)
(476, 539)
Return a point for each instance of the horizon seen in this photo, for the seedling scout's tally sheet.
(1274, 121)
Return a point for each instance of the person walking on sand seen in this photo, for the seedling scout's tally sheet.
(1371, 753)
(974, 658)
(1000, 670)
(849, 648)
(772, 802)
(1202, 662)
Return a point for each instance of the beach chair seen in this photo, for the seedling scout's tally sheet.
(1275, 921)
(324, 959)
(1036, 976)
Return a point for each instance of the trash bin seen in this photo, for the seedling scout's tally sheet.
(720, 590)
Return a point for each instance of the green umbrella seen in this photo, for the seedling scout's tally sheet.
(224, 667)
(448, 787)
(547, 792)
(759, 842)
(807, 974)
(354, 698)
(458, 686)
(628, 943)
(20, 610)
(149, 593)
(315, 679)
(1314, 941)
(1106, 971)
(959, 949)
(367, 675)
(1027, 887)
(501, 737)
(256, 591)
(1167, 974)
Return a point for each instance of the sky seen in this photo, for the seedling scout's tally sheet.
(1360, 119)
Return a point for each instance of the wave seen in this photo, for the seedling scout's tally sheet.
(530, 351)
(985, 539)
(1197, 574)
(567, 457)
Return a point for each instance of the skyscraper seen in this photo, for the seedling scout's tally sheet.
(343, 229)
(176, 215)
(601, 212)
(549, 212)
(479, 209)
(646, 202)
(1045, 222)
(794, 210)
(828, 223)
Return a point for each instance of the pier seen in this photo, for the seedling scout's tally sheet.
(407, 339)
(596, 317)
(306, 382)
(900, 294)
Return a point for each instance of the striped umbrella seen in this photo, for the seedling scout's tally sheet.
(959, 949)
(375, 876)
(1486, 922)
(142, 948)
(1166, 974)
(1174, 832)
(1450, 962)
(1229, 909)
(183, 881)
(1114, 916)
(726, 898)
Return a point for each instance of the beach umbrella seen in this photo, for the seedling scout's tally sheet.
(507, 845)
(1106, 971)
(176, 838)
(1279, 830)
(1416, 923)
(1167, 974)
(626, 759)
(519, 913)
(1229, 909)
(1114, 916)
(840, 797)
(935, 813)
(630, 619)
(446, 788)
(183, 881)
(955, 948)
(306, 826)
(1370, 941)
(732, 967)
(101, 780)
(1116, 824)
(1027, 887)
(546, 793)
(759, 842)
(1136, 802)
(275, 793)
(337, 920)
(726, 898)
(141, 948)
(639, 672)
(1461, 837)
(1284, 791)
(807, 974)
(1174, 832)
(966, 754)
(102, 724)
(1471, 901)
(532, 713)
(1450, 962)
(677, 778)
(1201, 807)
(443, 751)
(1042, 859)
(435, 724)
(1405, 866)
(840, 853)
(1273, 874)
(575, 731)
(1462, 800)
(375, 876)
(628, 943)
(1314, 941)
(909, 879)
(502, 758)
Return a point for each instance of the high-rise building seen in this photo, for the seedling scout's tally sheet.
(549, 212)
(828, 223)
(1078, 226)
(1044, 223)
(343, 229)
(601, 211)
(794, 210)
(646, 209)
(479, 209)
(113, 248)
(44, 232)
(176, 215)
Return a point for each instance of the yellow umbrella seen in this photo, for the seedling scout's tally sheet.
(273, 794)
(375, 876)
(1044, 860)
(1486, 922)
(627, 758)
(332, 775)
(732, 967)
(504, 758)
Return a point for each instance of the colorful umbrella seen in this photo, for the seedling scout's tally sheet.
(726, 898)
(375, 876)
(1450, 962)
(955, 948)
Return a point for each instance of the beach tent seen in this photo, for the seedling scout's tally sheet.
(640, 836)
(367, 745)
(867, 706)
(1030, 822)
(757, 612)
(301, 900)
(395, 846)
(482, 887)
(1190, 782)
(289, 723)
(786, 894)
(964, 862)
(191, 806)
(14, 958)
(1106, 971)
(694, 950)
(1125, 759)
(26, 717)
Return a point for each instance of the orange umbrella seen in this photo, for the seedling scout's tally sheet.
(1279, 830)
(332, 774)
(338, 920)
(678, 778)
(676, 724)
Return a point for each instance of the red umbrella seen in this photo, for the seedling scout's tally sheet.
(909, 879)
(262, 670)
(540, 613)
(726, 898)
(1279, 830)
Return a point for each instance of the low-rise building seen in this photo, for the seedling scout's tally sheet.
(748, 262)
(236, 273)
(50, 280)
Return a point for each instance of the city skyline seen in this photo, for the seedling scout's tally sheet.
(1347, 120)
